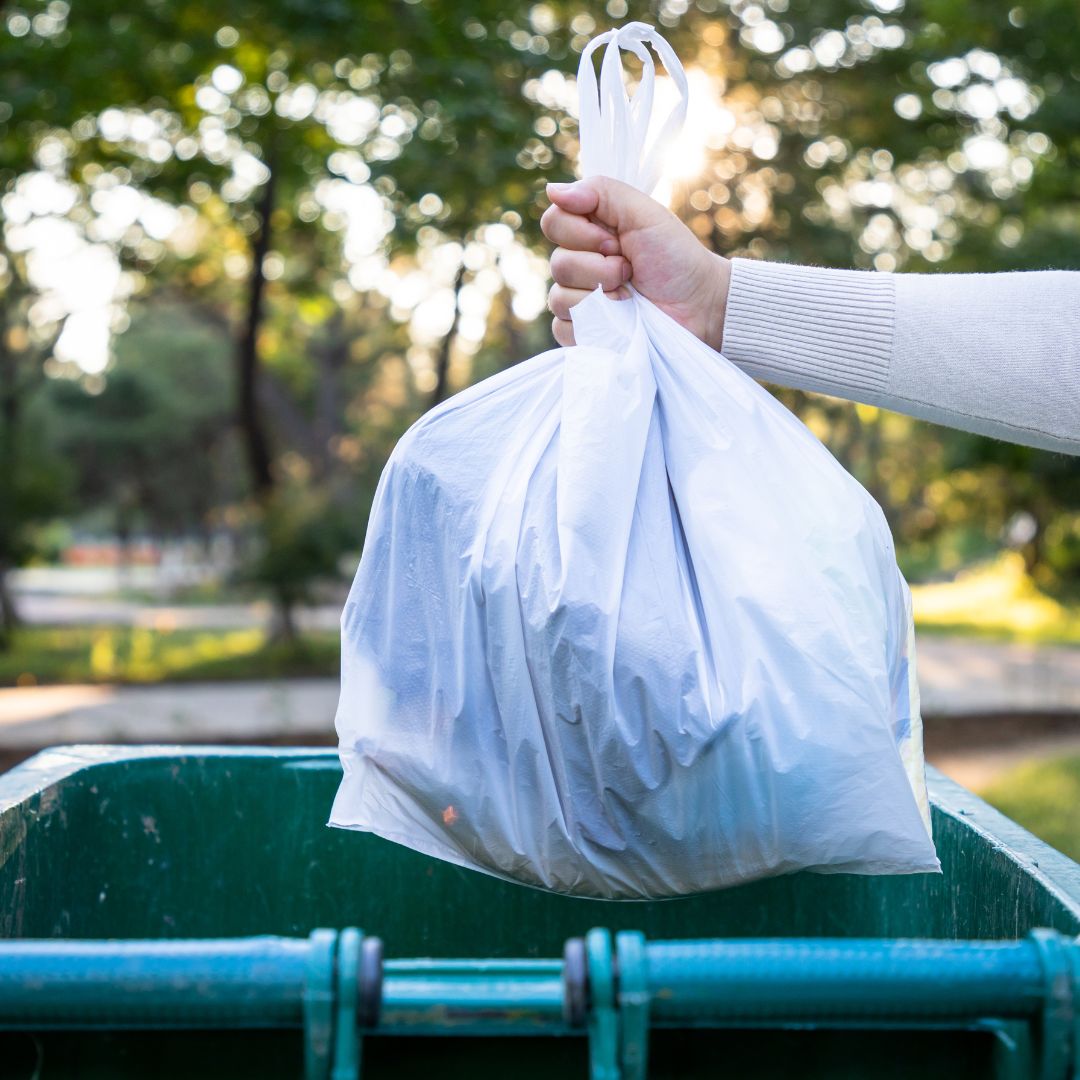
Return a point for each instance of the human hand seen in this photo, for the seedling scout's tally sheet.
(608, 233)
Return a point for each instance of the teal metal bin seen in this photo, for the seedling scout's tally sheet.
(183, 911)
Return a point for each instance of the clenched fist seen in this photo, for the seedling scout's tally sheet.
(608, 233)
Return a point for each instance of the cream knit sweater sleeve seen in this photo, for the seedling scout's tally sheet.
(997, 354)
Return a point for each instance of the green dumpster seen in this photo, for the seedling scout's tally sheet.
(182, 911)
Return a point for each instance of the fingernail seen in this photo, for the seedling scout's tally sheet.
(609, 247)
(559, 187)
(627, 271)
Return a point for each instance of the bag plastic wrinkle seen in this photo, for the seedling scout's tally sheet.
(623, 627)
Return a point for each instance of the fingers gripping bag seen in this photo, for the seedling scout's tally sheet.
(623, 627)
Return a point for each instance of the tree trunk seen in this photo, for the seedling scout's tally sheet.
(284, 627)
(331, 357)
(877, 487)
(515, 341)
(247, 345)
(9, 420)
(1034, 551)
(123, 548)
(9, 616)
(292, 426)
(442, 364)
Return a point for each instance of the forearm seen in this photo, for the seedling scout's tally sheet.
(997, 354)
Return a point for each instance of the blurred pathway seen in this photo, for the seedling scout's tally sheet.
(1037, 687)
(55, 610)
(140, 596)
(180, 712)
(959, 679)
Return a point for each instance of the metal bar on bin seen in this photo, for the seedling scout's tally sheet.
(319, 991)
(216, 983)
(1061, 1000)
(632, 966)
(347, 1040)
(280, 982)
(832, 979)
(472, 997)
(603, 1022)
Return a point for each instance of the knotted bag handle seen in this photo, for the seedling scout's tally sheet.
(614, 127)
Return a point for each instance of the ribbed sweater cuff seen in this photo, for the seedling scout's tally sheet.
(815, 329)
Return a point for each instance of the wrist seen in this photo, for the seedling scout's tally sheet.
(715, 307)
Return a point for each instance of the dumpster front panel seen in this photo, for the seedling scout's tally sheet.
(185, 842)
(161, 842)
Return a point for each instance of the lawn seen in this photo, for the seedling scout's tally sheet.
(999, 601)
(112, 654)
(1044, 797)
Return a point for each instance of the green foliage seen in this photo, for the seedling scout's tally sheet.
(154, 439)
(436, 112)
(35, 488)
(303, 535)
(1043, 796)
(112, 654)
(34, 482)
(459, 116)
(865, 158)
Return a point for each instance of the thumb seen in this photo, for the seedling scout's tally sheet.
(610, 202)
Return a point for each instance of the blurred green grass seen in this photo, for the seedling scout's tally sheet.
(997, 601)
(1044, 797)
(994, 600)
(112, 654)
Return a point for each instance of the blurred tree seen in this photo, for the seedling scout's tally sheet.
(263, 119)
(153, 442)
(931, 134)
(304, 535)
(918, 135)
(258, 106)
(32, 481)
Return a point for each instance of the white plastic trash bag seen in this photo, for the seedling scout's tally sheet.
(622, 626)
